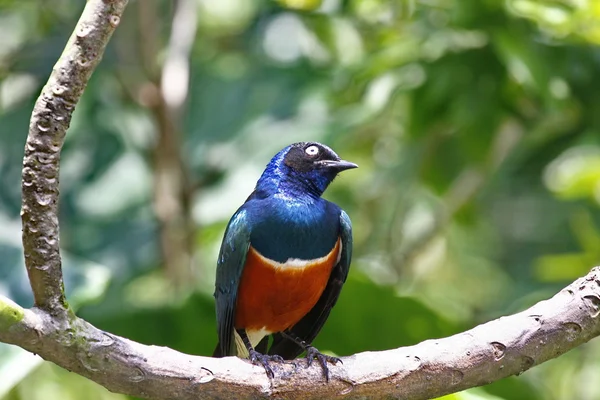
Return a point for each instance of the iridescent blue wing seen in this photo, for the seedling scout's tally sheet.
(309, 326)
(230, 264)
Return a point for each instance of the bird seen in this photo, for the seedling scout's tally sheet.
(284, 258)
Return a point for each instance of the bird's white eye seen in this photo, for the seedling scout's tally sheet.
(312, 150)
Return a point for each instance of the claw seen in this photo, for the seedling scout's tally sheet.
(277, 358)
(263, 359)
(323, 359)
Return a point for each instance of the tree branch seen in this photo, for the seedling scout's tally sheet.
(49, 122)
(500, 348)
(165, 95)
(173, 190)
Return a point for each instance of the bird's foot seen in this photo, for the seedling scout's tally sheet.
(312, 353)
(264, 359)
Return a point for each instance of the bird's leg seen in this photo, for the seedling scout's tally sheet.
(258, 358)
(312, 353)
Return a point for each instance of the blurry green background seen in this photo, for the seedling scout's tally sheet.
(476, 125)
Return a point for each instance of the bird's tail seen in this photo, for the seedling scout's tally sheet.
(261, 348)
(218, 352)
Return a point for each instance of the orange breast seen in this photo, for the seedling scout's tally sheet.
(276, 296)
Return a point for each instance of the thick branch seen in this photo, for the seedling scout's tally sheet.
(49, 121)
(500, 348)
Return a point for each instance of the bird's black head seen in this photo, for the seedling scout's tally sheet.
(303, 167)
(315, 157)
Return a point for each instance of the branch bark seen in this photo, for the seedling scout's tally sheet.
(49, 122)
(500, 348)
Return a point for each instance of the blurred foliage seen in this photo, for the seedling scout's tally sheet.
(474, 123)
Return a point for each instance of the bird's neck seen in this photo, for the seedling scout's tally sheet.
(291, 184)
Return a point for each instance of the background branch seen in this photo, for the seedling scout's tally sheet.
(49, 122)
(165, 92)
(500, 348)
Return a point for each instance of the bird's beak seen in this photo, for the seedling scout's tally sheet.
(339, 166)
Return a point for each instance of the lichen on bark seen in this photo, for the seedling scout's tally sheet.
(10, 313)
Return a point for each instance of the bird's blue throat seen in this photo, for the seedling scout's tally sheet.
(297, 230)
